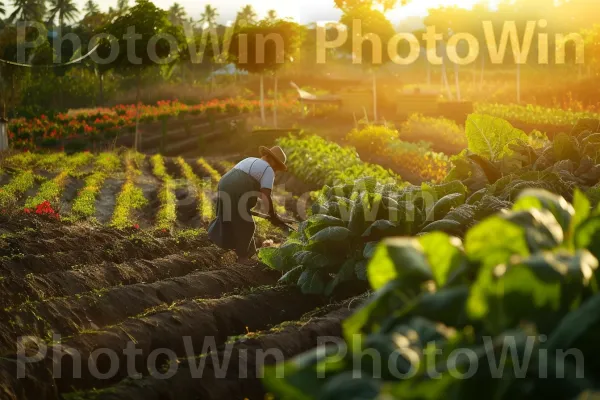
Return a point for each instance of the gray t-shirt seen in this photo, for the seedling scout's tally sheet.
(260, 170)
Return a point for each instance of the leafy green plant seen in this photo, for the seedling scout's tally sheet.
(209, 170)
(167, 213)
(533, 114)
(524, 284)
(416, 162)
(131, 197)
(332, 245)
(201, 188)
(444, 135)
(316, 161)
(20, 183)
(52, 189)
(84, 205)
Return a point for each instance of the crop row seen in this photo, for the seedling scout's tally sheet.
(201, 188)
(532, 114)
(107, 122)
(167, 214)
(131, 196)
(415, 162)
(52, 189)
(316, 161)
(105, 165)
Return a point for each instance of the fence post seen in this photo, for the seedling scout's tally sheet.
(3, 134)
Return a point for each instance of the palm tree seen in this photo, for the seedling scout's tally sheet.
(271, 15)
(122, 6)
(66, 10)
(247, 14)
(209, 17)
(2, 8)
(91, 8)
(27, 10)
(177, 14)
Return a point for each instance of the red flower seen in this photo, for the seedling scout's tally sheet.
(136, 226)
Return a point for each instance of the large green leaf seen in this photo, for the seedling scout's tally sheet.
(489, 136)
(582, 208)
(544, 200)
(312, 281)
(282, 258)
(317, 223)
(300, 379)
(445, 255)
(495, 241)
(575, 324)
(565, 148)
(539, 289)
(401, 259)
(311, 259)
(345, 274)
(331, 234)
(379, 230)
(541, 228)
(587, 236)
(292, 276)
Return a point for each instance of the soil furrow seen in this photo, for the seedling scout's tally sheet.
(68, 316)
(146, 248)
(183, 329)
(241, 362)
(97, 277)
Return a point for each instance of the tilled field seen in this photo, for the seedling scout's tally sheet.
(81, 294)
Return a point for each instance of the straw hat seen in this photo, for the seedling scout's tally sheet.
(277, 154)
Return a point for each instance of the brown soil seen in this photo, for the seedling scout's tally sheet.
(165, 328)
(290, 339)
(107, 199)
(68, 316)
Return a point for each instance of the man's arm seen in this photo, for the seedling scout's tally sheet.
(267, 201)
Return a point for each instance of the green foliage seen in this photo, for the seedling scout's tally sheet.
(250, 54)
(533, 114)
(519, 276)
(84, 205)
(52, 189)
(167, 213)
(316, 161)
(337, 240)
(131, 197)
(19, 184)
(489, 137)
(150, 22)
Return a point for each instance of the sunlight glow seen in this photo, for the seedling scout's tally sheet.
(419, 8)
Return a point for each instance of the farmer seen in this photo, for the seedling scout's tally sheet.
(239, 189)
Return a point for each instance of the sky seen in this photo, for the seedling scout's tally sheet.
(304, 11)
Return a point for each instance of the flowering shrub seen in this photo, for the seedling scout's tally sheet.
(43, 209)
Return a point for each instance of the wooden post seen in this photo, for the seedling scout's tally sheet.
(3, 134)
